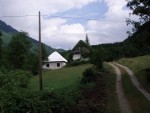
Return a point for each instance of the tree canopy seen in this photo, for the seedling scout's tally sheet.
(44, 52)
(140, 8)
(18, 49)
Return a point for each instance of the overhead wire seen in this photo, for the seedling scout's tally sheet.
(56, 16)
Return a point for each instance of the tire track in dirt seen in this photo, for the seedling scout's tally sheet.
(122, 100)
(135, 81)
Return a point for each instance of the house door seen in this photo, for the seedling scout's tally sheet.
(58, 64)
(47, 65)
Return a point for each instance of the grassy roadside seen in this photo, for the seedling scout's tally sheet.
(60, 80)
(138, 103)
(112, 104)
(138, 65)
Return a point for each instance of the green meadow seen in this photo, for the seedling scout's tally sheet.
(61, 79)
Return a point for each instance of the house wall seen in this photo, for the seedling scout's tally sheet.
(76, 56)
(54, 65)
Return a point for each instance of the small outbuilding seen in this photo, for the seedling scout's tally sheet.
(81, 51)
(54, 61)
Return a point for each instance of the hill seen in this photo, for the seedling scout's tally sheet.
(137, 44)
(8, 32)
(141, 67)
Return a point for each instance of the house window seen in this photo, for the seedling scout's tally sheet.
(58, 64)
(47, 65)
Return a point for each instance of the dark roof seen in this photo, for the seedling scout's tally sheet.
(82, 47)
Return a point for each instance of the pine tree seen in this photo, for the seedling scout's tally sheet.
(87, 39)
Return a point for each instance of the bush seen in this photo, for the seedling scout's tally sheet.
(96, 60)
(15, 78)
(77, 62)
(26, 101)
(17, 98)
(88, 75)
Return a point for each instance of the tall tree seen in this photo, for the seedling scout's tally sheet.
(140, 8)
(87, 39)
(44, 52)
(19, 48)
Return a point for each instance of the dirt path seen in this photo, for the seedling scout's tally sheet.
(135, 81)
(123, 103)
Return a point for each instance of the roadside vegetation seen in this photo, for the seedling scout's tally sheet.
(141, 68)
(138, 103)
(112, 99)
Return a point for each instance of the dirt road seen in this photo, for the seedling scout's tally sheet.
(122, 100)
(135, 81)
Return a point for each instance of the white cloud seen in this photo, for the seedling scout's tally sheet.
(56, 32)
(23, 7)
(109, 31)
(65, 36)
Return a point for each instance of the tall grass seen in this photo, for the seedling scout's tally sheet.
(138, 65)
(138, 103)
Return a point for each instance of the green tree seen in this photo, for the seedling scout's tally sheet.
(44, 52)
(18, 50)
(140, 8)
(87, 39)
(97, 60)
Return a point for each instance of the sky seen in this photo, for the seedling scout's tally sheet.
(103, 20)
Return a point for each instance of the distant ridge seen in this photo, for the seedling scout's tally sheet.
(7, 28)
(9, 31)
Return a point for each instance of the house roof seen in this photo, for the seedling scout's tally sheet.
(81, 47)
(56, 57)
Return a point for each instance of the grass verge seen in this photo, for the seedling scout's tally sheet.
(138, 103)
(112, 104)
(138, 65)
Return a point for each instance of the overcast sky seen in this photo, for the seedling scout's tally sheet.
(66, 32)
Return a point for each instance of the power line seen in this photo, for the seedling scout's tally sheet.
(55, 16)
(80, 18)
(17, 16)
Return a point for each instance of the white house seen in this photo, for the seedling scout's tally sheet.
(54, 61)
(76, 56)
(81, 51)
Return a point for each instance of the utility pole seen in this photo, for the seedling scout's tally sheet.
(40, 55)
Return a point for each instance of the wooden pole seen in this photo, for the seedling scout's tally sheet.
(40, 55)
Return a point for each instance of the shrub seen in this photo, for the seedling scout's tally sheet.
(89, 86)
(88, 75)
(96, 60)
(17, 98)
(77, 62)
(15, 78)
(26, 101)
